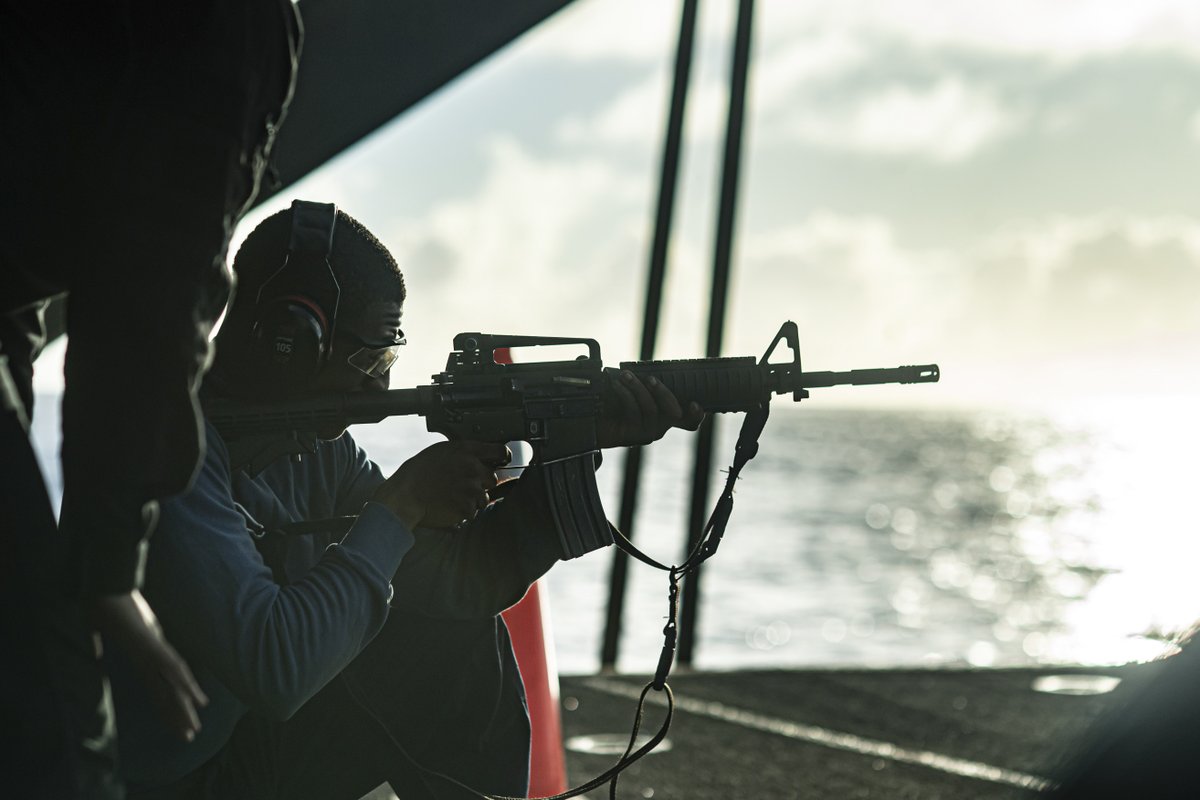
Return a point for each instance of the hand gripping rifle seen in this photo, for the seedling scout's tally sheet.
(553, 405)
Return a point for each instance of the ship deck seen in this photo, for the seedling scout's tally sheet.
(894, 733)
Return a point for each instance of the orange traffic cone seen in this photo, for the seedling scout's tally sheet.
(529, 624)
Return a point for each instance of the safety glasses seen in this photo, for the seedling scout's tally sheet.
(376, 359)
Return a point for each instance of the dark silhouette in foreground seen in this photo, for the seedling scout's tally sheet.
(134, 136)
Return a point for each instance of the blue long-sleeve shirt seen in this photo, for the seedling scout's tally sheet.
(254, 642)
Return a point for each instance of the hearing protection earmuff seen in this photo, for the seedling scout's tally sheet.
(296, 309)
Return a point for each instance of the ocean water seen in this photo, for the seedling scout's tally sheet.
(884, 538)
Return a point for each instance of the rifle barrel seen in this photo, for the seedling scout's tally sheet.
(919, 373)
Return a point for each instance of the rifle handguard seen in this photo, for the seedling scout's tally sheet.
(719, 384)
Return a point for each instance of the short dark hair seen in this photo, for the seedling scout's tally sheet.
(364, 269)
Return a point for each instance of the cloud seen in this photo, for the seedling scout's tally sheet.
(945, 121)
(935, 81)
(850, 283)
(1071, 284)
(612, 30)
(829, 91)
(549, 246)
(1064, 30)
(636, 116)
(782, 70)
(1120, 294)
(556, 245)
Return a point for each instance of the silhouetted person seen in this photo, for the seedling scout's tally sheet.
(338, 660)
(133, 135)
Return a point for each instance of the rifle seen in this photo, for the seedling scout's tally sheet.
(553, 405)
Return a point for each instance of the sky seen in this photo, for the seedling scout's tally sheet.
(1004, 189)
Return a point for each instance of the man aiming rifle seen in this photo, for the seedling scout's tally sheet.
(339, 654)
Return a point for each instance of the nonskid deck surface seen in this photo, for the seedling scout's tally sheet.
(894, 733)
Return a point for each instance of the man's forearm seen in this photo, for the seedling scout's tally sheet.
(483, 568)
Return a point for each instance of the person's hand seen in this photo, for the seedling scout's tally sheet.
(127, 621)
(640, 412)
(444, 484)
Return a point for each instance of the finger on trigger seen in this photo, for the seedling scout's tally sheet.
(495, 455)
(484, 451)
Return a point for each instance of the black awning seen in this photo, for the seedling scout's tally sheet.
(366, 61)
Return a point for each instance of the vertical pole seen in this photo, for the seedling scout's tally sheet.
(716, 316)
(654, 285)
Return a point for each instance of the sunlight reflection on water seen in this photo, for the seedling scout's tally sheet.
(877, 538)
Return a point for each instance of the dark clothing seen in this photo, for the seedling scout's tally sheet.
(56, 739)
(133, 134)
(335, 746)
(273, 623)
(334, 749)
